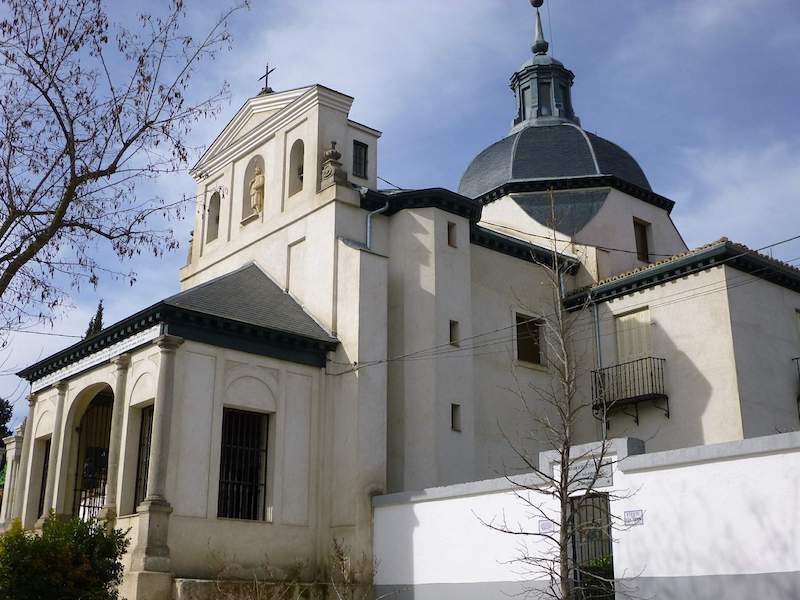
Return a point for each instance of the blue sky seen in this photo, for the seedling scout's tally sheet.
(704, 93)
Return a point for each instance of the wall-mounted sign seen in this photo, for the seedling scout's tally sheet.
(633, 518)
(546, 526)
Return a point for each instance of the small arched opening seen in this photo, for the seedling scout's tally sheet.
(212, 227)
(253, 187)
(296, 166)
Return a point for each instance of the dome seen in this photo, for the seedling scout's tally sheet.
(548, 151)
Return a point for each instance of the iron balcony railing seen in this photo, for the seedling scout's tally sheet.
(628, 384)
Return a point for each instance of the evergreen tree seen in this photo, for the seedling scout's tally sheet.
(96, 322)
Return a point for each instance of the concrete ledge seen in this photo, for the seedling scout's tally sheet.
(470, 488)
(768, 444)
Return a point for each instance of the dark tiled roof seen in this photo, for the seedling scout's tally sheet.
(243, 310)
(722, 251)
(573, 208)
(249, 296)
(555, 151)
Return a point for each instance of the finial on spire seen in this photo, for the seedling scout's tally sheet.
(540, 45)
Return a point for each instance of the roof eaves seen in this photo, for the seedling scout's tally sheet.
(511, 246)
(573, 183)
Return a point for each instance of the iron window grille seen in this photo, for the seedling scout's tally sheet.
(360, 159)
(243, 466)
(143, 456)
(591, 547)
(91, 475)
(45, 469)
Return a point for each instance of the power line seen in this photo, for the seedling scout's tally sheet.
(421, 353)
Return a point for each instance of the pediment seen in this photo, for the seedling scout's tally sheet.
(260, 117)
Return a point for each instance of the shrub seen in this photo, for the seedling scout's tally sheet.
(68, 560)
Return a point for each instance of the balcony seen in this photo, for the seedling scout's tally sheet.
(621, 388)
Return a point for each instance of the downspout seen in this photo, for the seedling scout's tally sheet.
(370, 215)
(599, 347)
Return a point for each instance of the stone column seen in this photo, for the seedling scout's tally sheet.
(22, 472)
(13, 446)
(121, 363)
(151, 554)
(52, 459)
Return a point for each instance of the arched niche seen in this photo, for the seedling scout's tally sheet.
(257, 162)
(212, 222)
(296, 167)
(250, 393)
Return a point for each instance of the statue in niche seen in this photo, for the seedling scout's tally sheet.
(257, 191)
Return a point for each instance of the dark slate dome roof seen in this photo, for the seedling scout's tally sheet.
(552, 151)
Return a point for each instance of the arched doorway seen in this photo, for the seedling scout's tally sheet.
(91, 474)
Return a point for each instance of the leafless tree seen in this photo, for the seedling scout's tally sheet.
(89, 111)
(562, 498)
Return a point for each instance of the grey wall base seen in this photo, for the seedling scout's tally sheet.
(774, 586)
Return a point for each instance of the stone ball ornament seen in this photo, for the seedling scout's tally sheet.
(537, 3)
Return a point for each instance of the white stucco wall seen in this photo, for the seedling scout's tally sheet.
(710, 513)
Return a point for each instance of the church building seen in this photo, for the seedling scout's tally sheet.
(333, 341)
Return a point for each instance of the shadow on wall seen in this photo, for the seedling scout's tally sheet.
(689, 395)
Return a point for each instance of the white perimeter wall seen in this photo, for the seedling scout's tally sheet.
(718, 510)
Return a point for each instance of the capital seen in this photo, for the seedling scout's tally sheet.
(61, 386)
(169, 343)
(31, 400)
(121, 361)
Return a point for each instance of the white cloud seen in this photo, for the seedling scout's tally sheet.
(748, 194)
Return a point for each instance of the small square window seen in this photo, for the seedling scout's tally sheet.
(454, 334)
(452, 240)
(641, 233)
(360, 159)
(455, 417)
(529, 335)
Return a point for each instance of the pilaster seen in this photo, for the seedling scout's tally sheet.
(13, 448)
(20, 485)
(149, 575)
(121, 362)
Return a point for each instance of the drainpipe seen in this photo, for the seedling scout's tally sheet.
(597, 332)
(370, 215)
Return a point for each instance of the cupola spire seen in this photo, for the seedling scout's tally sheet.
(540, 45)
(542, 85)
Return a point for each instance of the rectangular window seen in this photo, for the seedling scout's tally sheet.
(545, 102)
(43, 485)
(143, 456)
(454, 334)
(452, 241)
(243, 466)
(529, 338)
(360, 159)
(640, 231)
(455, 417)
(633, 335)
(523, 102)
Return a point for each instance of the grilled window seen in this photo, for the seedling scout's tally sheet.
(592, 551)
(640, 231)
(243, 466)
(360, 159)
(529, 339)
(92, 471)
(43, 485)
(143, 456)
